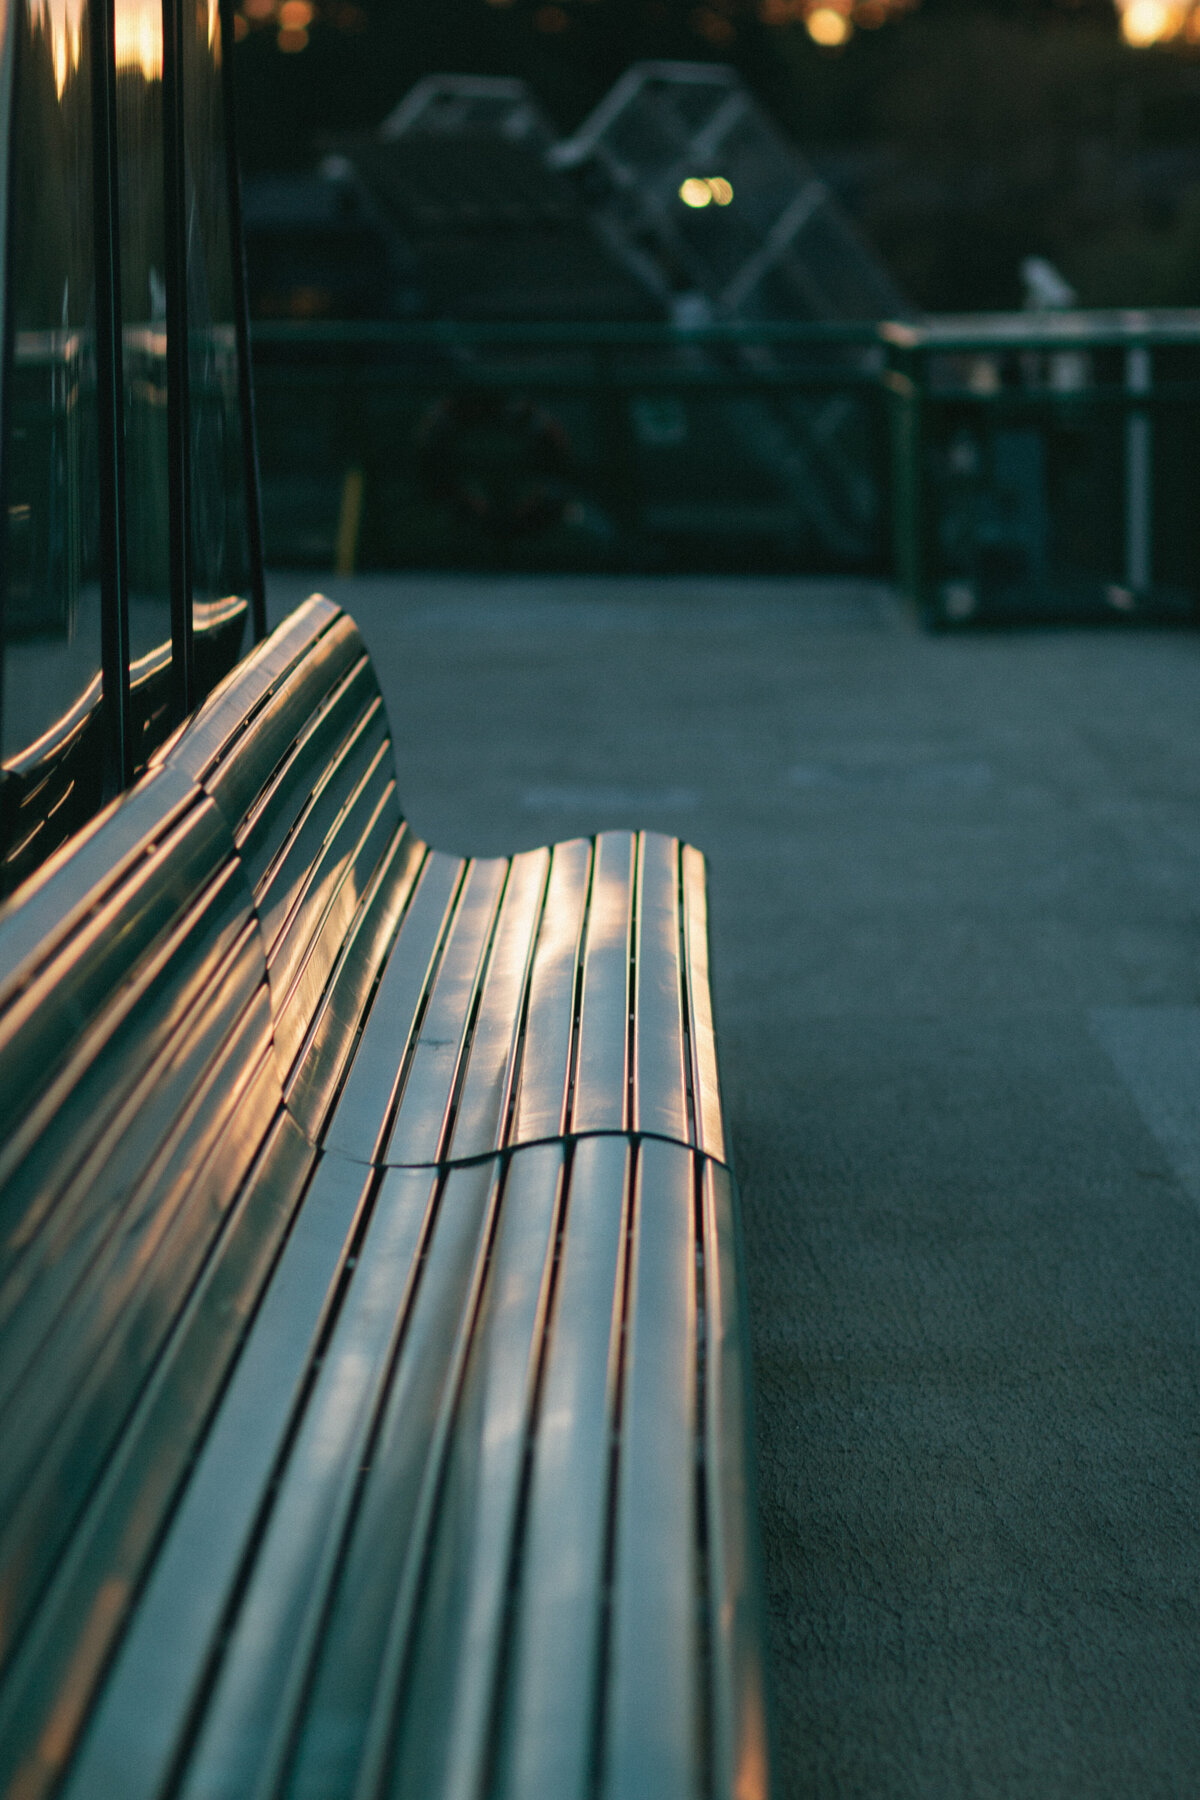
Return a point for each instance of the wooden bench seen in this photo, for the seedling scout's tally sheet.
(372, 1343)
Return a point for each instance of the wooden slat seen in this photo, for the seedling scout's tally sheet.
(654, 1696)
(239, 771)
(443, 1727)
(208, 735)
(486, 1090)
(706, 1082)
(114, 1129)
(602, 1066)
(53, 1001)
(98, 1122)
(57, 899)
(46, 1694)
(547, 1734)
(422, 1117)
(302, 964)
(305, 782)
(545, 1067)
(265, 1664)
(320, 1062)
(290, 897)
(660, 1078)
(133, 1738)
(61, 1425)
(264, 1671)
(363, 1111)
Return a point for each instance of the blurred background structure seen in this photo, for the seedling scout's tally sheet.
(962, 135)
(604, 291)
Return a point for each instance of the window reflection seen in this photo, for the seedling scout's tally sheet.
(137, 30)
(55, 745)
(220, 541)
(138, 38)
(50, 725)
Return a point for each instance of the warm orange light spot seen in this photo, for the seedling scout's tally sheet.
(259, 10)
(60, 20)
(827, 27)
(240, 28)
(296, 15)
(137, 29)
(291, 41)
(1145, 22)
(695, 191)
(720, 189)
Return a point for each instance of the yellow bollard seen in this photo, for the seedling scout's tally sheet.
(349, 520)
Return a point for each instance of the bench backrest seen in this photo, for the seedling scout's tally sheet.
(295, 750)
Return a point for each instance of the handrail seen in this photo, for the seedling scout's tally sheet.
(1083, 330)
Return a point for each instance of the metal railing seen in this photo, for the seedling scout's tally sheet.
(597, 447)
(999, 466)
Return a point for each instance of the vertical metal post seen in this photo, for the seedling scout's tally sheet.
(241, 319)
(1138, 474)
(179, 458)
(110, 401)
(905, 379)
(8, 34)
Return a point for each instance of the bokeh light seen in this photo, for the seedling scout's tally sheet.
(831, 23)
(1147, 22)
(702, 190)
(828, 27)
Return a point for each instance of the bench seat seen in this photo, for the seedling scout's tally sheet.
(372, 1343)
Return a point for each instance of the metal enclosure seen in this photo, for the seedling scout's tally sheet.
(1041, 466)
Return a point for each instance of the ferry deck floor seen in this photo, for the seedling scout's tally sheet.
(956, 887)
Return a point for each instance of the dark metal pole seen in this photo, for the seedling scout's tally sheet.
(179, 459)
(110, 401)
(241, 318)
(8, 112)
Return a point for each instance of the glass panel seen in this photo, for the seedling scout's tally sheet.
(141, 226)
(220, 541)
(51, 734)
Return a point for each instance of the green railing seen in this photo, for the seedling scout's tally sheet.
(553, 446)
(999, 466)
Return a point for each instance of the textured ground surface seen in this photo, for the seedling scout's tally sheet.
(956, 885)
